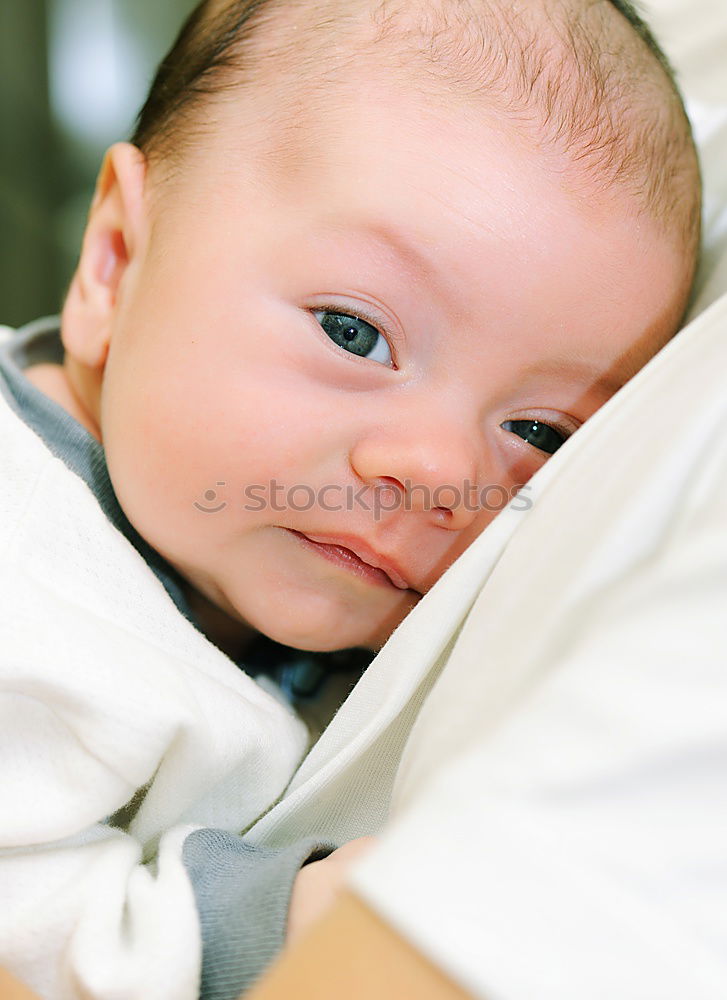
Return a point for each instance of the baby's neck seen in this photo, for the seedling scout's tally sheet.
(231, 636)
(53, 382)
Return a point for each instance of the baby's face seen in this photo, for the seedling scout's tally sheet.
(414, 299)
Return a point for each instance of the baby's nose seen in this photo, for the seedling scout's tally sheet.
(433, 466)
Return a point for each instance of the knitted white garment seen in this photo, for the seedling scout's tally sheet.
(104, 689)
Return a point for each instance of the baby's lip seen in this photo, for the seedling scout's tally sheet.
(365, 553)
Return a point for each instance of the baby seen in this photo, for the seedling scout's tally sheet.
(363, 265)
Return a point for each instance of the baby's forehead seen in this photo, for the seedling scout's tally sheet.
(583, 79)
(575, 76)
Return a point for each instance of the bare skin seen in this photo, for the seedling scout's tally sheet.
(352, 953)
(319, 886)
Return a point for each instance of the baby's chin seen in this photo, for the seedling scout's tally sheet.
(231, 632)
(309, 639)
(309, 620)
(324, 626)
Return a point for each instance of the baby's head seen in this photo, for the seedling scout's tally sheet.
(370, 246)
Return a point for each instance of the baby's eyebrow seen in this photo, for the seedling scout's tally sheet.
(385, 234)
(608, 383)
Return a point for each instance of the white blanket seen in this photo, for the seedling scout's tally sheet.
(561, 810)
(105, 689)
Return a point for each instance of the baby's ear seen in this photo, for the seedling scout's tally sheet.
(115, 232)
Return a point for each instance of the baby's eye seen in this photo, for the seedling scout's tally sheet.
(354, 335)
(536, 433)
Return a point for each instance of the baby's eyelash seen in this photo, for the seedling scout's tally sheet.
(363, 315)
(542, 432)
(357, 313)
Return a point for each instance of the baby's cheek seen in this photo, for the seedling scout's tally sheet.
(520, 468)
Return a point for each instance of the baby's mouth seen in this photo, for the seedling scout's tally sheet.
(354, 555)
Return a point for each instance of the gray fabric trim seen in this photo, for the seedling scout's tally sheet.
(243, 894)
(40, 343)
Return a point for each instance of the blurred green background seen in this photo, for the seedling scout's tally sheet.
(73, 75)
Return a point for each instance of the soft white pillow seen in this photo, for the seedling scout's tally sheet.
(694, 35)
